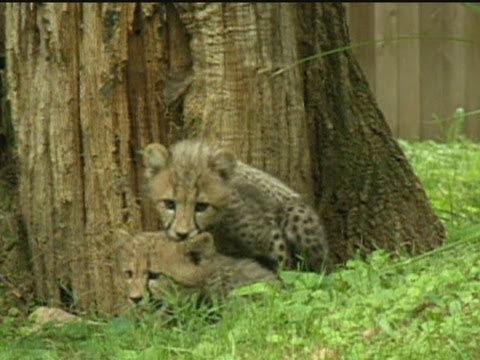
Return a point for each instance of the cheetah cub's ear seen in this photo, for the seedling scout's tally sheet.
(120, 239)
(200, 248)
(223, 162)
(155, 158)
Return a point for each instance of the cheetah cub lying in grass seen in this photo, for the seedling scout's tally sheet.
(154, 264)
(198, 187)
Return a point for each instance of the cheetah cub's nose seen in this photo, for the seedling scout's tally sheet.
(136, 300)
(181, 235)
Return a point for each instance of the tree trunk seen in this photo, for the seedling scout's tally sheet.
(79, 121)
(369, 195)
(91, 84)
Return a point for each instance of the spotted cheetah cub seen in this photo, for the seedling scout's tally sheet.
(155, 264)
(197, 186)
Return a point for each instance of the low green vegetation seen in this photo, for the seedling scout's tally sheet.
(450, 174)
(405, 308)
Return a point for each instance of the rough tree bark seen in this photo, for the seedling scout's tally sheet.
(91, 84)
(369, 195)
(78, 122)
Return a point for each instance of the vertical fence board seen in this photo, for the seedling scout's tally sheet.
(386, 62)
(472, 74)
(361, 24)
(408, 75)
(454, 58)
(442, 88)
(432, 82)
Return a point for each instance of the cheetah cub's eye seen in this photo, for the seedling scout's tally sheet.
(153, 275)
(128, 274)
(201, 207)
(169, 204)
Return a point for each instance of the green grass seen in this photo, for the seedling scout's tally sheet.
(409, 308)
(450, 174)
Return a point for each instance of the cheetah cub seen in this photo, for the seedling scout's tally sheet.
(152, 263)
(197, 186)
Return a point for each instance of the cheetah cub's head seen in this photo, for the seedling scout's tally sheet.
(133, 261)
(153, 264)
(189, 185)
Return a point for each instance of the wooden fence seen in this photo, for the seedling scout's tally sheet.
(415, 80)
